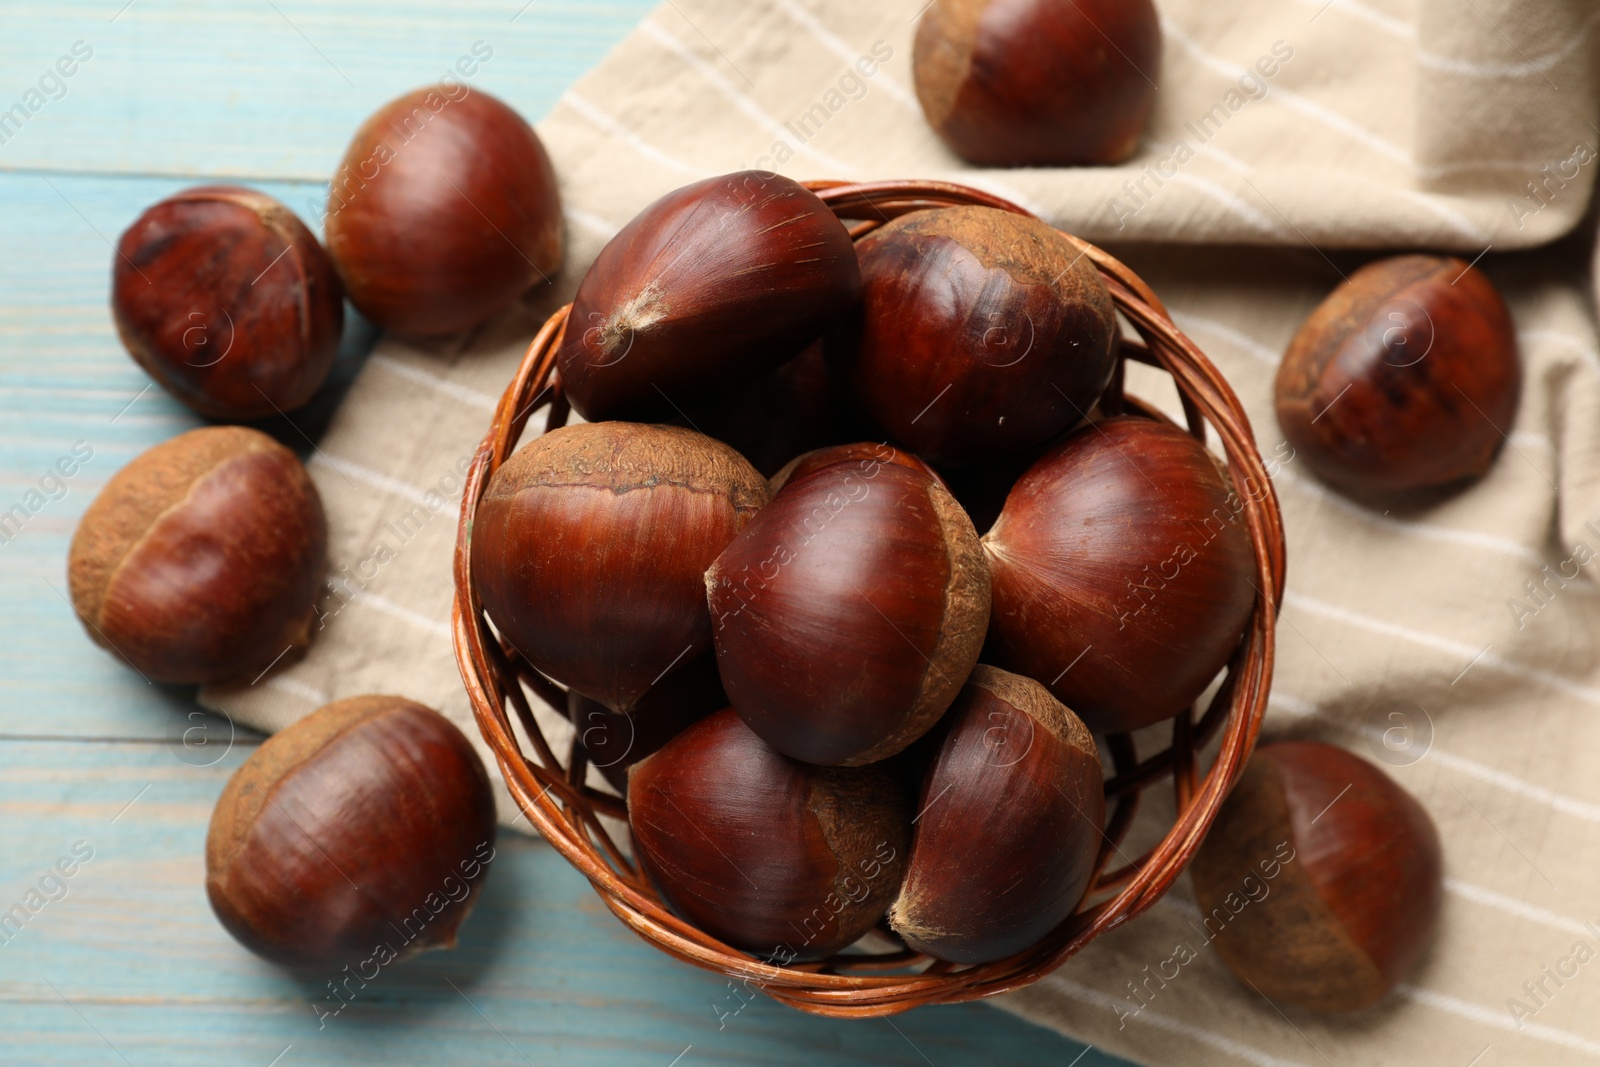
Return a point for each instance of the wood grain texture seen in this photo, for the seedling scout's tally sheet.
(130, 965)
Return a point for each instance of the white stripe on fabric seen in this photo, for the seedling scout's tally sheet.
(1497, 1018)
(617, 131)
(1171, 1025)
(840, 48)
(453, 390)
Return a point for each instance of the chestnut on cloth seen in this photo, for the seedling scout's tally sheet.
(1449, 637)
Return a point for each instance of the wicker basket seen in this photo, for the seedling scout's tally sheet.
(552, 793)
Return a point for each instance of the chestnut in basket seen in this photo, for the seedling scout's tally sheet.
(1405, 377)
(359, 835)
(1011, 814)
(705, 290)
(773, 856)
(201, 559)
(1038, 83)
(443, 211)
(849, 612)
(867, 456)
(590, 547)
(614, 742)
(1122, 573)
(1321, 879)
(228, 301)
(778, 416)
(983, 333)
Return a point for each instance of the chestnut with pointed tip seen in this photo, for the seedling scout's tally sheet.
(707, 288)
(1122, 573)
(1405, 377)
(1038, 83)
(200, 561)
(228, 301)
(362, 833)
(1011, 813)
(444, 210)
(590, 546)
(1322, 877)
(779, 858)
(983, 333)
(849, 612)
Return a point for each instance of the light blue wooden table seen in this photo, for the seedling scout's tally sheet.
(123, 962)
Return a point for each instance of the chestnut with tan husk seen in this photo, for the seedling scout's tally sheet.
(200, 561)
(1011, 811)
(705, 290)
(1034, 83)
(444, 210)
(229, 302)
(779, 858)
(1357, 894)
(982, 333)
(1405, 377)
(1122, 573)
(590, 548)
(368, 824)
(849, 612)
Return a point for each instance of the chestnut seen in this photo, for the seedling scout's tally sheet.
(849, 612)
(360, 834)
(1321, 879)
(983, 333)
(228, 301)
(1011, 814)
(614, 742)
(1405, 377)
(200, 561)
(1122, 573)
(782, 859)
(444, 210)
(1038, 83)
(794, 409)
(866, 455)
(590, 546)
(705, 290)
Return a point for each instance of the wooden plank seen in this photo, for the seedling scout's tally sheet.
(543, 974)
(269, 90)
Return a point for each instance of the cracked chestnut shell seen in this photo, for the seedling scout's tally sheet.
(590, 546)
(366, 826)
(1036, 83)
(773, 856)
(849, 612)
(200, 561)
(444, 210)
(228, 301)
(1011, 813)
(1405, 377)
(706, 289)
(1123, 573)
(983, 333)
(1321, 879)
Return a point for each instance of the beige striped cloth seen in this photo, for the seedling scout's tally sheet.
(1465, 125)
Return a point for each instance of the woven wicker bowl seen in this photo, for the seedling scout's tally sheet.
(552, 793)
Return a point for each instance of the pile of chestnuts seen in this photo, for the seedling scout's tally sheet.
(833, 701)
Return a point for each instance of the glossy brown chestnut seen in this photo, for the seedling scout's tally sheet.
(444, 210)
(773, 856)
(849, 612)
(357, 836)
(1406, 377)
(590, 548)
(1122, 573)
(1014, 83)
(982, 333)
(866, 456)
(706, 289)
(200, 560)
(614, 742)
(1011, 813)
(1320, 880)
(228, 301)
